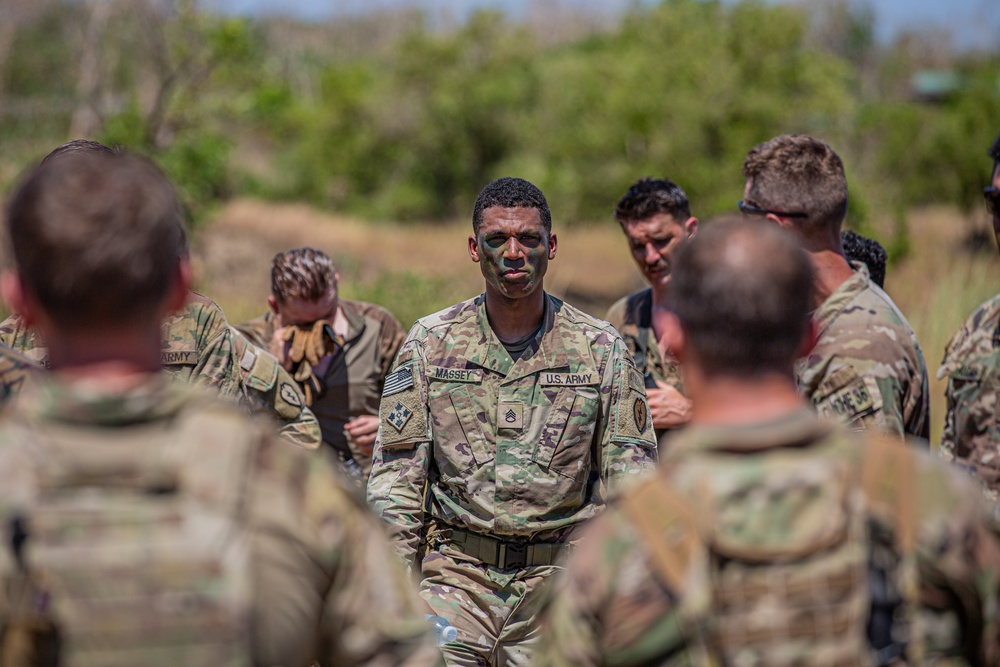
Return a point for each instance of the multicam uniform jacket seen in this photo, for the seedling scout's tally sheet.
(516, 450)
(867, 369)
(657, 579)
(318, 580)
(198, 346)
(971, 434)
(353, 381)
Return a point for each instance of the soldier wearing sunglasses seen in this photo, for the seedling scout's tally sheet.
(866, 368)
(971, 436)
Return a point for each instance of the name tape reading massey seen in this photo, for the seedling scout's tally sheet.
(546, 378)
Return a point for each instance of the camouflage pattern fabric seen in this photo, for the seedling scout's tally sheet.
(632, 317)
(268, 387)
(197, 347)
(160, 526)
(758, 578)
(352, 383)
(15, 369)
(971, 435)
(521, 451)
(867, 369)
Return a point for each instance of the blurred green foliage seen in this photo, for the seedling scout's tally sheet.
(411, 128)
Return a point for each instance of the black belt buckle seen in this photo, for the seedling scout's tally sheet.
(513, 555)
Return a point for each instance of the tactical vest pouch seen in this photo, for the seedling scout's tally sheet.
(130, 555)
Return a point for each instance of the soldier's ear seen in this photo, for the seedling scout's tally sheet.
(674, 339)
(16, 298)
(179, 286)
(809, 339)
(473, 249)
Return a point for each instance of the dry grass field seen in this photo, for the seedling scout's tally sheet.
(414, 270)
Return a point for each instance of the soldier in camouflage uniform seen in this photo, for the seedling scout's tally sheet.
(971, 433)
(769, 536)
(656, 218)
(119, 484)
(345, 384)
(866, 368)
(507, 419)
(198, 345)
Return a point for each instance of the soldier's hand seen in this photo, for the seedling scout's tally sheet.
(668, 407)
(279, 348)
(362, 431)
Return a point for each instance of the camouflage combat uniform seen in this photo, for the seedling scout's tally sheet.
(311, 575)
(721, 557)
(632, 316)
(867, 369)
(971, 434)
(15, 368)
(198, 345)
(494, 462)
(353, 380)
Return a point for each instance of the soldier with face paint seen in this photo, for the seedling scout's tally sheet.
(506, 420)
(971, 436)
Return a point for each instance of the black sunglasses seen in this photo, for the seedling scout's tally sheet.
(750, 209)
(992, 196)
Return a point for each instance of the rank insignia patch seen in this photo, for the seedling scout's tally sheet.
(399, 415)
(510, 415)
(641, 414)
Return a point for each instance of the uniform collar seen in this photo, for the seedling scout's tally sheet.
(835, 304)
(548, 350)
(800, 427)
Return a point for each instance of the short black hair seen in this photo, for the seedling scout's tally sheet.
(80, 146)
(511, 192)
(648, 197)
(858, 248)
(742, 291)
(994, 151)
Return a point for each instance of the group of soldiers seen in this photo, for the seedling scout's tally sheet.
(731, 470)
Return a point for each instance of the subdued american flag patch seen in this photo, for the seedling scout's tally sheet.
(397, 382)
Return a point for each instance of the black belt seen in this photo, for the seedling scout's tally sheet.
(506, 555)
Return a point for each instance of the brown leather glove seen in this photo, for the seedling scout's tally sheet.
(307, 346)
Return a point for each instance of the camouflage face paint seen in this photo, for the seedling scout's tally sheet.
(513, 251)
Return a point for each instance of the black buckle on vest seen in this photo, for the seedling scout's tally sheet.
(512, 555)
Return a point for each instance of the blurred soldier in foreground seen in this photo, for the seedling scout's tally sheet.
(199, 346)
(971, 434)
(656, 218)
(339, 350)
(754, 542)
(858, 248)
(505, 419)
(867, 369)
(151, 523)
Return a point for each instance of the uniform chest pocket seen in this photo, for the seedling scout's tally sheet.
(564, 445)
(457, 427)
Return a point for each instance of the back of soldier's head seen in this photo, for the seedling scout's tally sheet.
(302, 273)
(741, 291)
(796, 173)
(96, 238)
